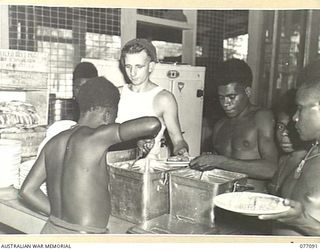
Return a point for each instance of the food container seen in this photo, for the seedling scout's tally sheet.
(192, 193)
(139, 192)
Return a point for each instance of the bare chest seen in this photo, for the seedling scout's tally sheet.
(237, 139)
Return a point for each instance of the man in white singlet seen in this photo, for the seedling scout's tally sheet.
(142, 97)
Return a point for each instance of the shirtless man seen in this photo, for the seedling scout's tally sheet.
(73, 163)
(143, 97)
(243, 140)
(301, 187)
(293, 149)
(81, 73)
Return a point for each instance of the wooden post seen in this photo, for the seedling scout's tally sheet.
(312, 33)
(4, 27)
(128, 25)
(255, 60)
(189, 38)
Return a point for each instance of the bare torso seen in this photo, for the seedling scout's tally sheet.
(238, 137)
(77, 178)
(248, 139)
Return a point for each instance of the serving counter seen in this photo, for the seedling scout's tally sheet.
(16, 215)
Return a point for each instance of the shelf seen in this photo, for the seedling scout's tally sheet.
(10, 88)
(163, 22)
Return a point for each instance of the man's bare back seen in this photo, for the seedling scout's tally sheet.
(77, 175)
(73, 163)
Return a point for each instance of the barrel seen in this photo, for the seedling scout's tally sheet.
(10, 155)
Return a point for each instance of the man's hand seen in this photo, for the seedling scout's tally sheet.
(181, 148)
(207, 162)
(289, 217)
(145, 145)
(182, 151)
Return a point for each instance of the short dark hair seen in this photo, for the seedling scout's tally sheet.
(286, 103)
(84, 70)
(136, 46)
(98, 92)
(234, 71)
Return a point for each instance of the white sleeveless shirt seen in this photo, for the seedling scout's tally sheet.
(137, 104)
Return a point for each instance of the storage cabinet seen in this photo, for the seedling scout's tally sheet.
(23, 77)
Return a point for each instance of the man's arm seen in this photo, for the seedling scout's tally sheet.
(263, 168)
(144, 127)
(169, 111)
(140, 128)
(30, 190)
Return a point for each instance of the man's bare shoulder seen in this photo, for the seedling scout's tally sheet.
(264, 115)
(165, 94)
(165, 97)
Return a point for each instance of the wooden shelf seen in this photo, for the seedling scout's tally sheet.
(163, 22)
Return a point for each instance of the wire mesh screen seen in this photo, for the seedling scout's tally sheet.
(218, 33)
(218, 38)
(67, 35)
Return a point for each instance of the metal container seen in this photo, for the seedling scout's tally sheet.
(192, 193)
(138, 193)
(60, 109)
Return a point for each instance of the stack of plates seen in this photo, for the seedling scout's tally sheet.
(10, 155)
(25, 168)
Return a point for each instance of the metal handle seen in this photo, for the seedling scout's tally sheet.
(237, 187)
(200, 93)
(186, 219)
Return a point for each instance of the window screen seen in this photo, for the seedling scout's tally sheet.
(67, 35)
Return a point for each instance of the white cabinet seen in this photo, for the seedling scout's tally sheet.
(184, 81)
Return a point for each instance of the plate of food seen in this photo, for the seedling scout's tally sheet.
(178, 160)
(251, 203)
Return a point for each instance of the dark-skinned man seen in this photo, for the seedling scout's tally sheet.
(73, 163)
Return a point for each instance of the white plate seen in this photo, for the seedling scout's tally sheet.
(250, 203)
(177, 163)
